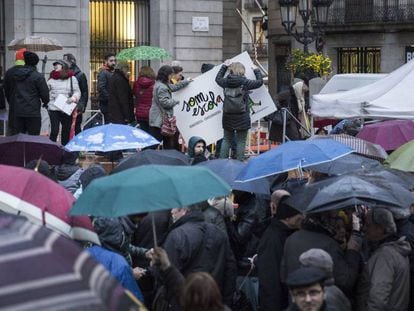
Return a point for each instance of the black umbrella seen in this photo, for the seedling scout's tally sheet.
(150, 156)
(349, 190)
(385, 177)
(346, 164)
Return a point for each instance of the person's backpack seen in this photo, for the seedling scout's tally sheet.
(234, 100)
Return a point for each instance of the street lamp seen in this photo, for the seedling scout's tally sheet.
(307, 9)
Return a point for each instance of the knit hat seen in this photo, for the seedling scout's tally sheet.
(206, 67)
(20, 53)
(91, 173)
(317, 258)
(65, 64)
(285, 211)
(277, 195)
(305, 276)
(30, 58)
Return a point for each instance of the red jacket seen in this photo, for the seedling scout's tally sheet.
(142, 90)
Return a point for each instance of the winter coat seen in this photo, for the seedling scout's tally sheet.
(325, 307)
(240, 121)
(2, 98)
(273, 294)
(195, 159)
(345, 263)
(120, 100)
(384, 283)
(286, 99)
(103, 79)
(83, 87)
(25, 90)
(213, 216)
(71, 183)
(336, 299)
(118, 267)
(143, 89)
(62, 86)
(194, 245)
(162, 96)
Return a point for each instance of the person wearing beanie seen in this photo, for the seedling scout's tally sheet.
(25, 90)
(20, 57)
(318, 258)
(83, 86)
(307, 289)
(273, 294)
(61, 82)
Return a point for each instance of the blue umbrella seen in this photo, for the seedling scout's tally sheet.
(111, 137)
(228, 169)
(293, 155)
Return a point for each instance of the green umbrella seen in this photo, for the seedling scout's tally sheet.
(402, 158)
(143, 52)
(149, 188)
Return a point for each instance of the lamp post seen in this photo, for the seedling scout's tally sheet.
(307, 9)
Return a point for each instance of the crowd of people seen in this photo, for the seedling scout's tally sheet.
(246, 251)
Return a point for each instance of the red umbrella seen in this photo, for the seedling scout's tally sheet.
(41, 200)
(389, 134)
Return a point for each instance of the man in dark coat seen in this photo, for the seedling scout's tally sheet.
(273, 295)
(194, 245)
(105, 72)
(120, 99)
(317, 232)
(83, 86)
(25, 90)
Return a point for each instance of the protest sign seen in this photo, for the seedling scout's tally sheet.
(201, 102)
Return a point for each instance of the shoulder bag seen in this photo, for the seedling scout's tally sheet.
(169, 124)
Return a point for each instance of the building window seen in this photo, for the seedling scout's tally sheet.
(359, 60)
(116, 25)
(2, 41)
(258, 34)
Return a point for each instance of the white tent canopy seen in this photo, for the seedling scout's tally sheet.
(391, 97)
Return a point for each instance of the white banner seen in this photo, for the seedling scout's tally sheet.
(200, 110)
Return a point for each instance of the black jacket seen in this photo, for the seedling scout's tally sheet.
(2, 98)
(25, 88)
(120, 100)
(346, 264)
(194, 245)
(273, 294)
(83, 86)
(238, 121)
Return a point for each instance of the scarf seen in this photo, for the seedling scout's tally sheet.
(61, 75)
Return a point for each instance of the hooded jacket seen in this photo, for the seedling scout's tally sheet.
(25, 89)
(120, 100)
(143, 89)
(240, 121)
(103, 78)
(83, 87)
(384, 283)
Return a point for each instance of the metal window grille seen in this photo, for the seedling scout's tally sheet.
(2, 41)
(359, 60)
(115, 25)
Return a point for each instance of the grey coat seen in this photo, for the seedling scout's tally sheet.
(385, 280)
(162, 96)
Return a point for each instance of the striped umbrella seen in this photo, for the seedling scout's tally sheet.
(42, 201)
(362, 147)
(42, 270)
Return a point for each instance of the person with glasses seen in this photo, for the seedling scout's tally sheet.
(307, 290)
(105, 73)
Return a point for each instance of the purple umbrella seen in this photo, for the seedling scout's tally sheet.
(42, 270)
(389, 134)
(19, 149)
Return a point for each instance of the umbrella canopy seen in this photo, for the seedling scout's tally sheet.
(143, 52)
(348, 190)
(42, 201)
(149, 156)
(19, 149)
(228, 169)
(42, 270)
(402, 158)
(389, 134)
(346, 164)
(35, 44)
(111, 137)
(149, 188)
(362, 147)
(293, 155)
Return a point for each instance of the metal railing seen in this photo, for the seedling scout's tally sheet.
(286, 113)
(370, 12)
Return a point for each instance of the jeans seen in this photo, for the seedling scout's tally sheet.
(56, 119)
(241, 136)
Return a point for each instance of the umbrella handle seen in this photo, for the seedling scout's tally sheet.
(44, 61)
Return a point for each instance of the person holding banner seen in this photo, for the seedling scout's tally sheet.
(163, 104)
(236, 113)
